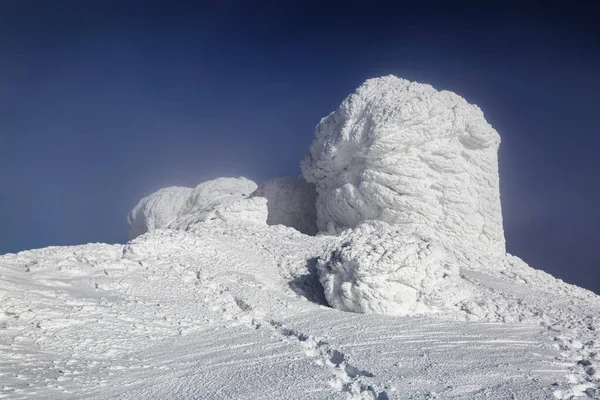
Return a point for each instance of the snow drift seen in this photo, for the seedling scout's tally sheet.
(405, 153)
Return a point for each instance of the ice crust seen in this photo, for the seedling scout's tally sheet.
(405, 153)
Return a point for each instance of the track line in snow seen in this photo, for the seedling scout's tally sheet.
(347, 377)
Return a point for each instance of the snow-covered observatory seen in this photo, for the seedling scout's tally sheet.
(404, 175)
(404, 153)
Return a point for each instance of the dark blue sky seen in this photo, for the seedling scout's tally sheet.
(103, 102)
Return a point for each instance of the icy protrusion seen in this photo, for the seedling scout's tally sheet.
(157, 210)
(291, 202)
(379, 268)
(221, 199)
(405, 153)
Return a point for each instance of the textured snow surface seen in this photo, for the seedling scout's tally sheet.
(157, 211)
(225, 292)
(378, 268)
(231, 311)
(221, 199)
(291, 202)
(405, 153)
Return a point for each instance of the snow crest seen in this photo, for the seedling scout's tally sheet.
(405, 153)
(378, 268)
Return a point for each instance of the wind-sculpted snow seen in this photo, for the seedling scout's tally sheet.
(291, 202)
(157, 211)
(405, 153)
(219, 200)
(211, 302)
(212, 200)
(378, 268)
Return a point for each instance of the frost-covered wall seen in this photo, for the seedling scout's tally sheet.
(404, 153)
(291, 202)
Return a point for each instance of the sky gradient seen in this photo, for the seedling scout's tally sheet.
(104, 102)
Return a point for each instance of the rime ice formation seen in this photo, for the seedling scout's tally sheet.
(379, 268)
(405, 153)
(214, 303)
(157, 210)
(222, 199)
(291, 202)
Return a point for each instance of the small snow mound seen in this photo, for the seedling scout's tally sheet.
(404, 153)
(378, 268)
(207, 198)
(291, 202)
(157, 211)
(218, 200)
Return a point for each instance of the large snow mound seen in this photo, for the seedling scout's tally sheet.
(291, 202)
(378, 268)
(217, 200)
(405, 153)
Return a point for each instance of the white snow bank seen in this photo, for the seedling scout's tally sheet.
(405, 153)
(157, 210)
(221, 199)
(291, 202)
(378, 268)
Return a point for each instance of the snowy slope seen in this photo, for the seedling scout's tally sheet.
(232, 312)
